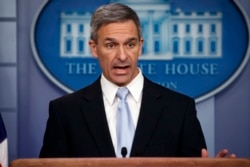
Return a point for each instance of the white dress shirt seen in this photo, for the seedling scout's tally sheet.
(134, 97)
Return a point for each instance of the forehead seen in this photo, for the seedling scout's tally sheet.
(118, 30)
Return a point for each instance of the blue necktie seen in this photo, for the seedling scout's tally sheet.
(124, 127)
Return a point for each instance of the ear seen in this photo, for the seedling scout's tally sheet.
(92, 46)
(141, 45)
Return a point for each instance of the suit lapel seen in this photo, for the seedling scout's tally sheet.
(149, 115)
(94, 114)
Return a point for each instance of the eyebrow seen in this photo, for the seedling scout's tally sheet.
(128, 40)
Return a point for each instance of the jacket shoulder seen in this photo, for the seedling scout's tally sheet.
(160, 90)
(86, 93)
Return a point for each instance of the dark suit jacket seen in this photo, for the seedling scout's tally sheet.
(167, 125)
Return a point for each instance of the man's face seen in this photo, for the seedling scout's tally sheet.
(117, 49)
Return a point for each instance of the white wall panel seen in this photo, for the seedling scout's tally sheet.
(7, 42)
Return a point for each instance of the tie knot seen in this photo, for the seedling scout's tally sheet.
(122, 92)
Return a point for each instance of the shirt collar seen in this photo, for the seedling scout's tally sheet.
(109, 89)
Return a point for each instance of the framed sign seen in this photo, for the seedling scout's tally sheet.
(194, 47)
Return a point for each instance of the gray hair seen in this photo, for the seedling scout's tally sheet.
(112, 13)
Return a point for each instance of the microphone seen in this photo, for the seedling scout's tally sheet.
(124, 152)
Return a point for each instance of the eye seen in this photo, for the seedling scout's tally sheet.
(110, 45)
(131, 45)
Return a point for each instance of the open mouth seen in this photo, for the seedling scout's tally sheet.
(121, 67)
(125, 67)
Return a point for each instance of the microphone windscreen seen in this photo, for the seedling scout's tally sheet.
(124, 152)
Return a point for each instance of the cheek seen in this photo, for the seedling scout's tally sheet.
(134, 57)
(105, 62)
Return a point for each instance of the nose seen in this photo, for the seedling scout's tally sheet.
(121, 53)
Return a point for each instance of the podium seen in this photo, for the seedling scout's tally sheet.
(130, 162)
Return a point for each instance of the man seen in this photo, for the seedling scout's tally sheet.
(83, 124)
